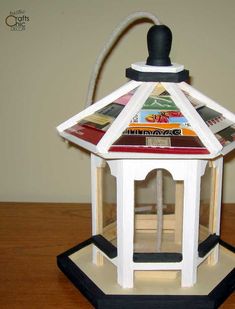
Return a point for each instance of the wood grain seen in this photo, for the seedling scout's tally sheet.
(32, 235)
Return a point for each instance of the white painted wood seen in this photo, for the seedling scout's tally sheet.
(190, 171)
(106, 279)
(200, 127)
(143, 167)
(126, 172)
(159, 221)
(157, 266)
(208, 101)
(98, 105)
(215, 225)
(132, 155)
(118, 126)
(125, 155)
(193, 172)
(125, 117)
(125, 221)
(220, 126)
(143, 67)
(218, 197)
(96, 200)
(179, 197)
(213, 188)
(228, 148)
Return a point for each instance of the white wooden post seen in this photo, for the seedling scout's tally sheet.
(179, 196)
(159, 209)
(216, 204)
(125, 223)
(193, 172)
(97, 165)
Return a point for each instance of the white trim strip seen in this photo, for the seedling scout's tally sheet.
(201, 129)
(208, 102)
(124, 118)
(98, 105)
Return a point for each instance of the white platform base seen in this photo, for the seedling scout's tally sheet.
(208, 276)
(99, 283)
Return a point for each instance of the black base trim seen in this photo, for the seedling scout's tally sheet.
(207, 245)
(104, 245)
(157, 76)
(161, 257)
(223, 289)
(100, 300)
(155, 302)
(111, 251)
(227, 246)
(85, 285)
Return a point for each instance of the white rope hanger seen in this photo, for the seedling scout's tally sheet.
(108, 45)
(90, 94)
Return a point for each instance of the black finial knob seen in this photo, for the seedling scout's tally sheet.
(159, 40)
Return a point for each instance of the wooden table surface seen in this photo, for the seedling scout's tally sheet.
(32, 235)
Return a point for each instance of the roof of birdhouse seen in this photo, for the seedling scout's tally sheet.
(152, 119)
(157, 115)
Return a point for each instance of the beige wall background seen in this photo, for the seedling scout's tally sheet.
(45, 71)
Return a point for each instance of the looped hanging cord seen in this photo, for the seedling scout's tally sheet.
(110, 42)
(90, 93)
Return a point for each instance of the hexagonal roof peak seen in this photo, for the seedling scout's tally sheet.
(155, 115)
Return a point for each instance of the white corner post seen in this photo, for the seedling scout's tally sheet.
(215, 207)
(123, 171)
(97, 165)
(159, 207)
(179, 203)
(194, 169)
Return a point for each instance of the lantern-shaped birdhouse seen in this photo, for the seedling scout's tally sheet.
(160, 137)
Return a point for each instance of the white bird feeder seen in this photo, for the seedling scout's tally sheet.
(159, 252)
